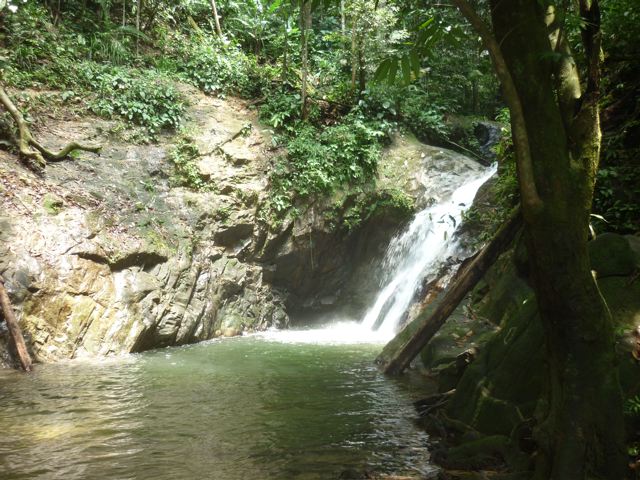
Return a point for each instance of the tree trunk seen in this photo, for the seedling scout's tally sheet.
(466, 278)
(343, 22)
(285, 54)
(138, 9)
(305, 25)
(214, 9)
(362, 72)
(14, 329)
(580, 429)
(354, 54)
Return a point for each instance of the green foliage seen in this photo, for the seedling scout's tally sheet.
(144, 98)
(393, 202)
(424, 118)
(442, 56)
(184, 156)
(41, 55)
(281, 110)
(215, 65)
(632, 406)
(322, 160)
(616, 198)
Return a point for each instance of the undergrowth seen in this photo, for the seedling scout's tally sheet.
(321, 160)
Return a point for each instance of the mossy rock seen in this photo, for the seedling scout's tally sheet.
(501, 387)
(634, 243)
(52, 203)
(611, 254)
(509, 370)
(487, 452)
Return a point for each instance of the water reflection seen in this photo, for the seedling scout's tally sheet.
(246, 408)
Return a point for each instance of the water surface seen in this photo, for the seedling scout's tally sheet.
(286, 405)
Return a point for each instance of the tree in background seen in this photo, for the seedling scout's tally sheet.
(372, 34)
(216, 19)
(305, 31)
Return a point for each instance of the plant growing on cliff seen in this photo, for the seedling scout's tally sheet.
(143, 98)
(184, 155)
(320, 161)
(392, 203)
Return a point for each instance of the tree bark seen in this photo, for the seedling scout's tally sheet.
(305, 25)
(362, 71)
(285, 54)
(138, 9)
(466, 278)
(214, 9)
(580, 427)
(14, 329)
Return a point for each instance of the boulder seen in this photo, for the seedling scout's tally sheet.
(612, 255)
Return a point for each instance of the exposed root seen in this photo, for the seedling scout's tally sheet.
(32, 152)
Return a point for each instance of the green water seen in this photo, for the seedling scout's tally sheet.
(245, 408)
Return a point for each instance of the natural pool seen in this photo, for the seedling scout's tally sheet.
(281, 405)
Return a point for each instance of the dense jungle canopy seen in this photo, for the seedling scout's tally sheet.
(332, 85)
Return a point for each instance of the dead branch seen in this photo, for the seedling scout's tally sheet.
(14, 329)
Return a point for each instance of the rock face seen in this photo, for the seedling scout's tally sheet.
(106, 255)
(121, 261)
(489, 396)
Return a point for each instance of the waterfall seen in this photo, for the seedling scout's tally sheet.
(416, 254)
(413, 256)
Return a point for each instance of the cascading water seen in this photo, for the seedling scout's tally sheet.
(419, 252)
(449, 182)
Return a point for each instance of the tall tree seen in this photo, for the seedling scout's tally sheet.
(556, 135)
(138, 10)
(214, 9)
(305, 26)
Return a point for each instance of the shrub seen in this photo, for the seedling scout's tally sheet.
(425, 118)
(322, 160)
(281, 110)
(394, 203)
(143, 98)
(215, 66)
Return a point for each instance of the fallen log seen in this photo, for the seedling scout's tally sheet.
(401, 351)
(14, 329)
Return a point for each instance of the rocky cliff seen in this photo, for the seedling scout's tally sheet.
(108, 254)
(103, 255)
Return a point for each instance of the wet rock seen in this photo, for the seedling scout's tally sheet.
(231, 332)
(488, 135)
(611, 254)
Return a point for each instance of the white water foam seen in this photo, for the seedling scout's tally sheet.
(336, 333)
(414, 255)
(418, 253)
